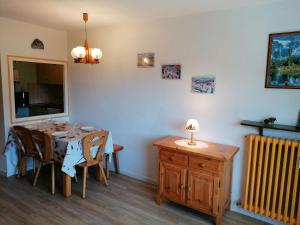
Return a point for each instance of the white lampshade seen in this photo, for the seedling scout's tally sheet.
(78, 52)
(146, 60)
(192, 125)
(96, 53)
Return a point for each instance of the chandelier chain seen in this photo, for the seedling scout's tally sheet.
(85, 30)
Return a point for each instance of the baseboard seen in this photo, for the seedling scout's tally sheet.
(236, 208)
(138, 176)
(3, 173)
(3, 166)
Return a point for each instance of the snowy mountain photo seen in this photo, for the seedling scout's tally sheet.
(283, 69)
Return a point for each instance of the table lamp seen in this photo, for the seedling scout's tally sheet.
(192, 126)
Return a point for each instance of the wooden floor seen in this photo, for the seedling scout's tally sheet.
(125, 201)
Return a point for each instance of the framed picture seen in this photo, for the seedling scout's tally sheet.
(205, 85)
(171, 72)
(145, 60)
(283, 65)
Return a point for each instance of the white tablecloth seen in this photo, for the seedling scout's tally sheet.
(68, 150)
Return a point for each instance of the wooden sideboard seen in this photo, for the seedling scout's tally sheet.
(197, 178)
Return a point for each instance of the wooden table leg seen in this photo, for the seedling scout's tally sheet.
(66, 185)
(22, 166)
(107, 166)
(116, 162)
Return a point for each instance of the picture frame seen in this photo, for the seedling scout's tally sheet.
(145, 60)
(283, 62)
(171, 71)
(204, 84)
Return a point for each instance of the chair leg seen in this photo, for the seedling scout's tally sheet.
(85, 170)
(33, 165)
(20, 166)
(102, 173)
(116, 162)
(37, 174)
(76, 178)
(53, 178)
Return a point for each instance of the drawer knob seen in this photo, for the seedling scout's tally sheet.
(171, 158)
(202, 165)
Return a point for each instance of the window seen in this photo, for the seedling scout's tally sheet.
(38, 89)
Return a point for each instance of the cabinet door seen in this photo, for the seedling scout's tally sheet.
(173, 182)
(50, 74)
(202, 189)
(57, 73)
(42, 73)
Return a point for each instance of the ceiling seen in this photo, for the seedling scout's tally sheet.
(66, 14)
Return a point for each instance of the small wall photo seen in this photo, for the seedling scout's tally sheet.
(205, 85)
(171, 72)
(145, 60)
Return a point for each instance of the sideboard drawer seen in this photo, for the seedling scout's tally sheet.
(209, 165)
(174, 158)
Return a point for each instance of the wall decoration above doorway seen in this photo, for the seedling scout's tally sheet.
(205, 85)
(145, 60)
(37, 44)
(283, 66)
(171, 72)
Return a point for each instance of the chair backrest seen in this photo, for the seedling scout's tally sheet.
(24, 140)
(43, 144)
(97, 138)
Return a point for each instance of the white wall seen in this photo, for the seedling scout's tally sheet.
(15, 39)
(139, 107)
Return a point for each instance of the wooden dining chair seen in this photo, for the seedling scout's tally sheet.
(98, 139)
(24, 142)
(44, 145)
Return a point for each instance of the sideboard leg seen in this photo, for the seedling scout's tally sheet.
(158, 199)
(219, 220)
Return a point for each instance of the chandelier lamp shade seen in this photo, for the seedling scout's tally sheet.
(86, 54)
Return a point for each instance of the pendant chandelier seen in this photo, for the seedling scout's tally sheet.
(85, 54)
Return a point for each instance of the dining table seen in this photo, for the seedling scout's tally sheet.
(67, 148)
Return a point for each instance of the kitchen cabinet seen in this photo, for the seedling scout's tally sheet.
(50, 74)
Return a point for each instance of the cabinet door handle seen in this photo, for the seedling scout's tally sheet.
(189, 188)
(181, 186)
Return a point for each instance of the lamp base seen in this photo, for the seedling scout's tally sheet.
(192, 143)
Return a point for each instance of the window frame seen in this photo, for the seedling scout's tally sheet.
(13, 119)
